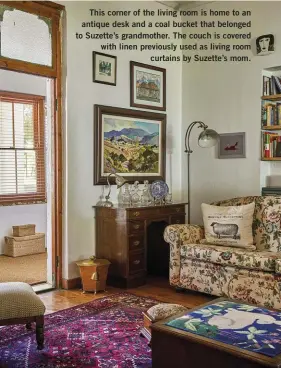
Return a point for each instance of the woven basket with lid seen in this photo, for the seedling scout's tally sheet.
(24, 230)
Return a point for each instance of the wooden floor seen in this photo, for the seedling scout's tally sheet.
(156, 288)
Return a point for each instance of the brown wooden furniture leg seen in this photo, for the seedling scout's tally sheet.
(40, 332)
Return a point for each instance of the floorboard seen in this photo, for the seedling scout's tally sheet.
(157, 288)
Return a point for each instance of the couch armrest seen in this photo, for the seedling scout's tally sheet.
(176, 236)
(278, 265)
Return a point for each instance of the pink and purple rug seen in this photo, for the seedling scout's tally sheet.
(101, 334)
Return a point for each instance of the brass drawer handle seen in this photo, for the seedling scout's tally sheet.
(136, 262)
(178, 221)
(136, 226)
(136, 213)
(136, 242)
(178, 209)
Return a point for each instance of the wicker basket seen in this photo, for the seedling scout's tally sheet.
(24, 230)
(24, 245)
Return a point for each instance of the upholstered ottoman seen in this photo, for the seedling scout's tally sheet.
(20, 304)
(156, 313)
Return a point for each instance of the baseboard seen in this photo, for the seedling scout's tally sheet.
(72, 283)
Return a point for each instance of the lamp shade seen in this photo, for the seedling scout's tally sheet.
(208, 138)
(120, 181)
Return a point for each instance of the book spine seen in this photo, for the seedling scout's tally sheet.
(272, 115)
(266, 145)
(278, 118)
(277, 84)
(268, 115)
(273, 86)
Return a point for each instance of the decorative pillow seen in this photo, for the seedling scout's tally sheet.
(229, 225)
(164, 310)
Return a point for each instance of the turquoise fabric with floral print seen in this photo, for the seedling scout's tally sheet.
(241, 325)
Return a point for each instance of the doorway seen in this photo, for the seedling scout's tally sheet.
(17, 23)
(26, 152)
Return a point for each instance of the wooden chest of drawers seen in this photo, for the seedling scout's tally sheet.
(121, 237)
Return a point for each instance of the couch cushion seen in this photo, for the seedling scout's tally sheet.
(256, 260)
(229, 225)
(18, 300)
(164, 310)
(267, 220)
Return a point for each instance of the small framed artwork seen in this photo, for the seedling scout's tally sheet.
(147, 86)
(104, 68)
(265, 44)
(232, 145)
(131, 143)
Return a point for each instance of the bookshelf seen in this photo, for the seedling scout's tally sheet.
(271, 117)
(271, 159)
(271, 97)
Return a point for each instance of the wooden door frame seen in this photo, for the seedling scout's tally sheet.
(55, 12)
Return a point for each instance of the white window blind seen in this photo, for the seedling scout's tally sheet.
(22, 163)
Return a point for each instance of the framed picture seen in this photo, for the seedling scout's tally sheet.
(104, 68)
(232, 145)
(128, 142)
(265, 44)
(148, 86)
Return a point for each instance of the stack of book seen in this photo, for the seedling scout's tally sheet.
(271, 145)
(271, 113)
(271, 85)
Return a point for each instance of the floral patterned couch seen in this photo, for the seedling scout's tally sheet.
(252, 276)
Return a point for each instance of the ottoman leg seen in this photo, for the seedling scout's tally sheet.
(40, 332)
(28, 326)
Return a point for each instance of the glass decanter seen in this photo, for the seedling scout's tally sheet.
(126, 195)
(135, 193)
(146, 197)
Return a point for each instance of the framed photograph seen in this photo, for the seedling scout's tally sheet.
(148, 86)
(128, 142)
(104, 68)
(232, 145)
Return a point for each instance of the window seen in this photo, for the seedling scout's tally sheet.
(22, 163)
(17, 39)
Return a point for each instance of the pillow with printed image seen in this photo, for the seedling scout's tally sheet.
(229, 225)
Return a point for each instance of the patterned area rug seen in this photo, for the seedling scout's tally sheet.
(101, 334)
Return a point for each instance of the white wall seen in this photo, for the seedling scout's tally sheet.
(226, 96)
(81, 95)
(22, 214)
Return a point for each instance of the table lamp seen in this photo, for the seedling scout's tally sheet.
(120, 181)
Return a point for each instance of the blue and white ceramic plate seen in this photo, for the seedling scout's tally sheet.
(159, 189)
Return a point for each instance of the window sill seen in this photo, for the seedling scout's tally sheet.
(22, 202)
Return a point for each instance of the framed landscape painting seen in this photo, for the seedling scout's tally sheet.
(131, 143)
(104, 68)
(147, 86)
